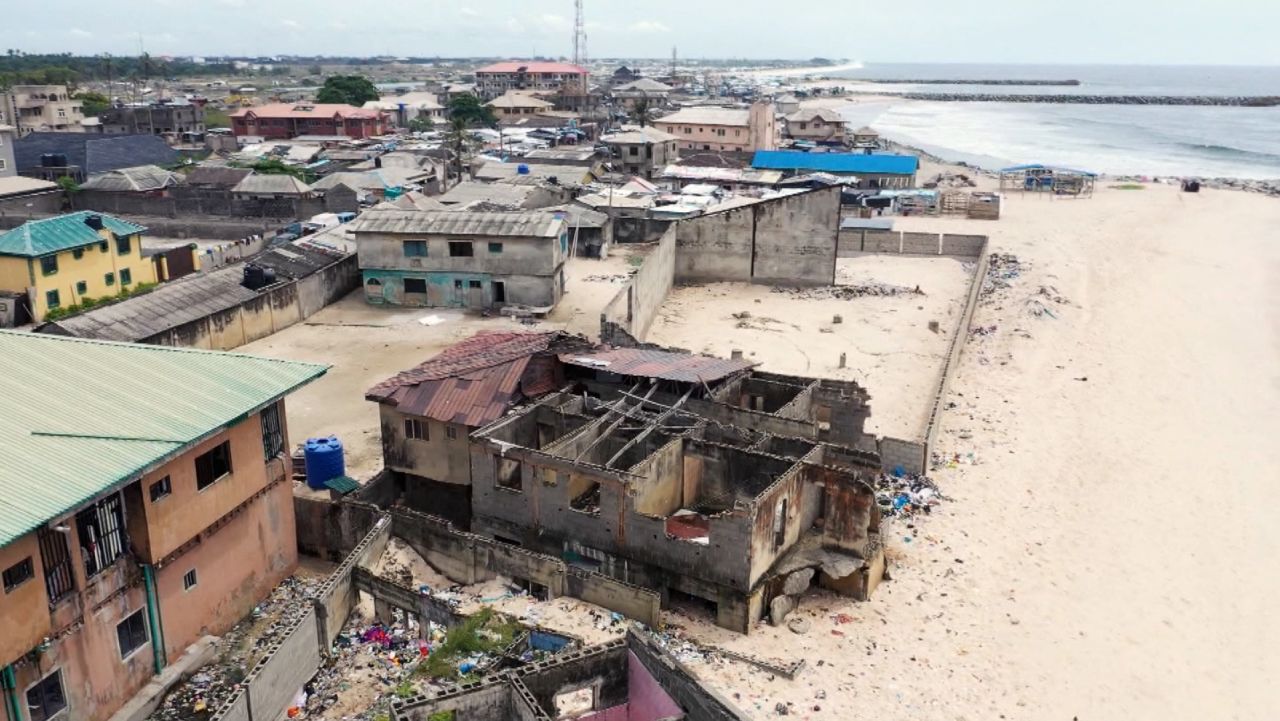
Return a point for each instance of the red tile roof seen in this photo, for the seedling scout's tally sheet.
(515, 66)
(667, 365)
(475, 381)
(306, 110)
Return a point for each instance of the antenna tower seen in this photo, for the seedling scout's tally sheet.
(579, 35)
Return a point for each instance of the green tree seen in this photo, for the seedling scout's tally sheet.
(347, 89)
(471, 111)
(93, 104)
(215, 117)
(641, 112)
(69, 184)
(421, 125)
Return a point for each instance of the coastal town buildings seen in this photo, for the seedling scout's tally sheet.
(154, 522)
(818, 125)
(160, 118)
(477, 260)
(60, 261)
(872, 170)
(8, 163)
(514, 103)
(41, 108)
(698, 477)
(642, 151)
(500, 78)
(408, 107)
(742, 130)
(290, 120)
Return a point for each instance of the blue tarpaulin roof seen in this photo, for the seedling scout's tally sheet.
(854, 163)
(1056, 168)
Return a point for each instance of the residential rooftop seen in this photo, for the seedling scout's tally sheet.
(520, 224)
(64, 232)
(876, 163)
(81, 417)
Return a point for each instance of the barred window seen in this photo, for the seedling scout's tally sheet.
(55, 559)
(272, 431)
(100, 528)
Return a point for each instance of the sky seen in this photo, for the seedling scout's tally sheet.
(1240, 32)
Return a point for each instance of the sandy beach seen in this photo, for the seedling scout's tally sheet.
(1111, 554)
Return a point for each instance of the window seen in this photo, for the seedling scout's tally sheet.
(779, 524)
(51, 299)
(499, 291)
(81, 288)
(102, 246)
(100, 530)
(495, 247)
(55, 560)
(415, 249)
(18, 574)
(460, 249)
(706, 147)
(633, 150)
(49, 264)
(46, 699)
(123, 244)
(109, 278)
(416, 430)
(213, 465)
(160, 489)
(473, 284)
(720, 132)
(77, 253)
(126, 276)
(415, 285)
(451, 433)
(272, 432)
(3, 164)
(509, 474)
(804, 126)
(132, 633)
(688, 131)
(189, 580)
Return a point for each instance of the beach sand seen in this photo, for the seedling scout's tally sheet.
(1112, 555)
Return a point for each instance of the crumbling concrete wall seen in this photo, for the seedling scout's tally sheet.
(336, 598)
(789, 240)
(601, 668)
(699, 702)
(795, 238)
(634, 308)
(332, 530)
(286, 667)
(486, 700)
(958, 341)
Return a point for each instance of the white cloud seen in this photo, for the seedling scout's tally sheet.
(553, 23)
(293, 24)
(81, 33)
(649, 26)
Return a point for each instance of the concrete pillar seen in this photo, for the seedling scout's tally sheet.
(383, 612)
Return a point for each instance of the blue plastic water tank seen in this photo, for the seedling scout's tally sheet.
(522, 169)
(324, 461)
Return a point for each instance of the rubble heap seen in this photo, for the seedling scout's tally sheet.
(848, 292)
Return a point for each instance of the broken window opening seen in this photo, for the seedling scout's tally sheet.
(780, 524)
(509, 476)
(584, 495)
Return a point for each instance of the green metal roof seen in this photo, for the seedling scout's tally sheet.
(64, 232)
(81, 417)
(342, 484)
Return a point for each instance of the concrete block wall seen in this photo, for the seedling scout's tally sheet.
(336, 598)
(628, 316)
(921, 243)
(964, 246)
(794, 238)
(716, 247)
(895, 452)
(287, 666)
(699, 702)
(237, 709)
(631, 601)
(959, 340)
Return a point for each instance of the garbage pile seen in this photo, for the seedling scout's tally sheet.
(848, 292)
(901, 494)
(1002, 268)
(202, 695)
(614, 278)
(369, 666)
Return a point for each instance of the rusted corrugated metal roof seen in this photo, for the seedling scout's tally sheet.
(667, 365)
(475, 381)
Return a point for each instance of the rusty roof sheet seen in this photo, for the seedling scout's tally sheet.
(667, 365)
(475, 381)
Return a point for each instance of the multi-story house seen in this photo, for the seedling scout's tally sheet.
(43, 108)
(147, 504)
(162, 118)
(642, 151)
(408, 107)
(279, 121)
(8, 163)
(818, 125)
(742, 130)
(500, 78)
(60, 261)
(477, 260)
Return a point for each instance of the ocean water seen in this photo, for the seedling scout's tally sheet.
(1116, 139)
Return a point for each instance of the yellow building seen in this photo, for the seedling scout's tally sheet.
(58, 262)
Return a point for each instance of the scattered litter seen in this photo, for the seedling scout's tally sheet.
(848, 292)
(431, 320)
(906, 494)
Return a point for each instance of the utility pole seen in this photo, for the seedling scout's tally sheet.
(673, 65)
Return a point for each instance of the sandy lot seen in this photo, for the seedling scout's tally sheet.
(888, 346)
(1112, 555)
(366, 344)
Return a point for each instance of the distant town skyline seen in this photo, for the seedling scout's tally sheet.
(1089, 31)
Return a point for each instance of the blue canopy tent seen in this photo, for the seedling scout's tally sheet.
(1053, 179)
